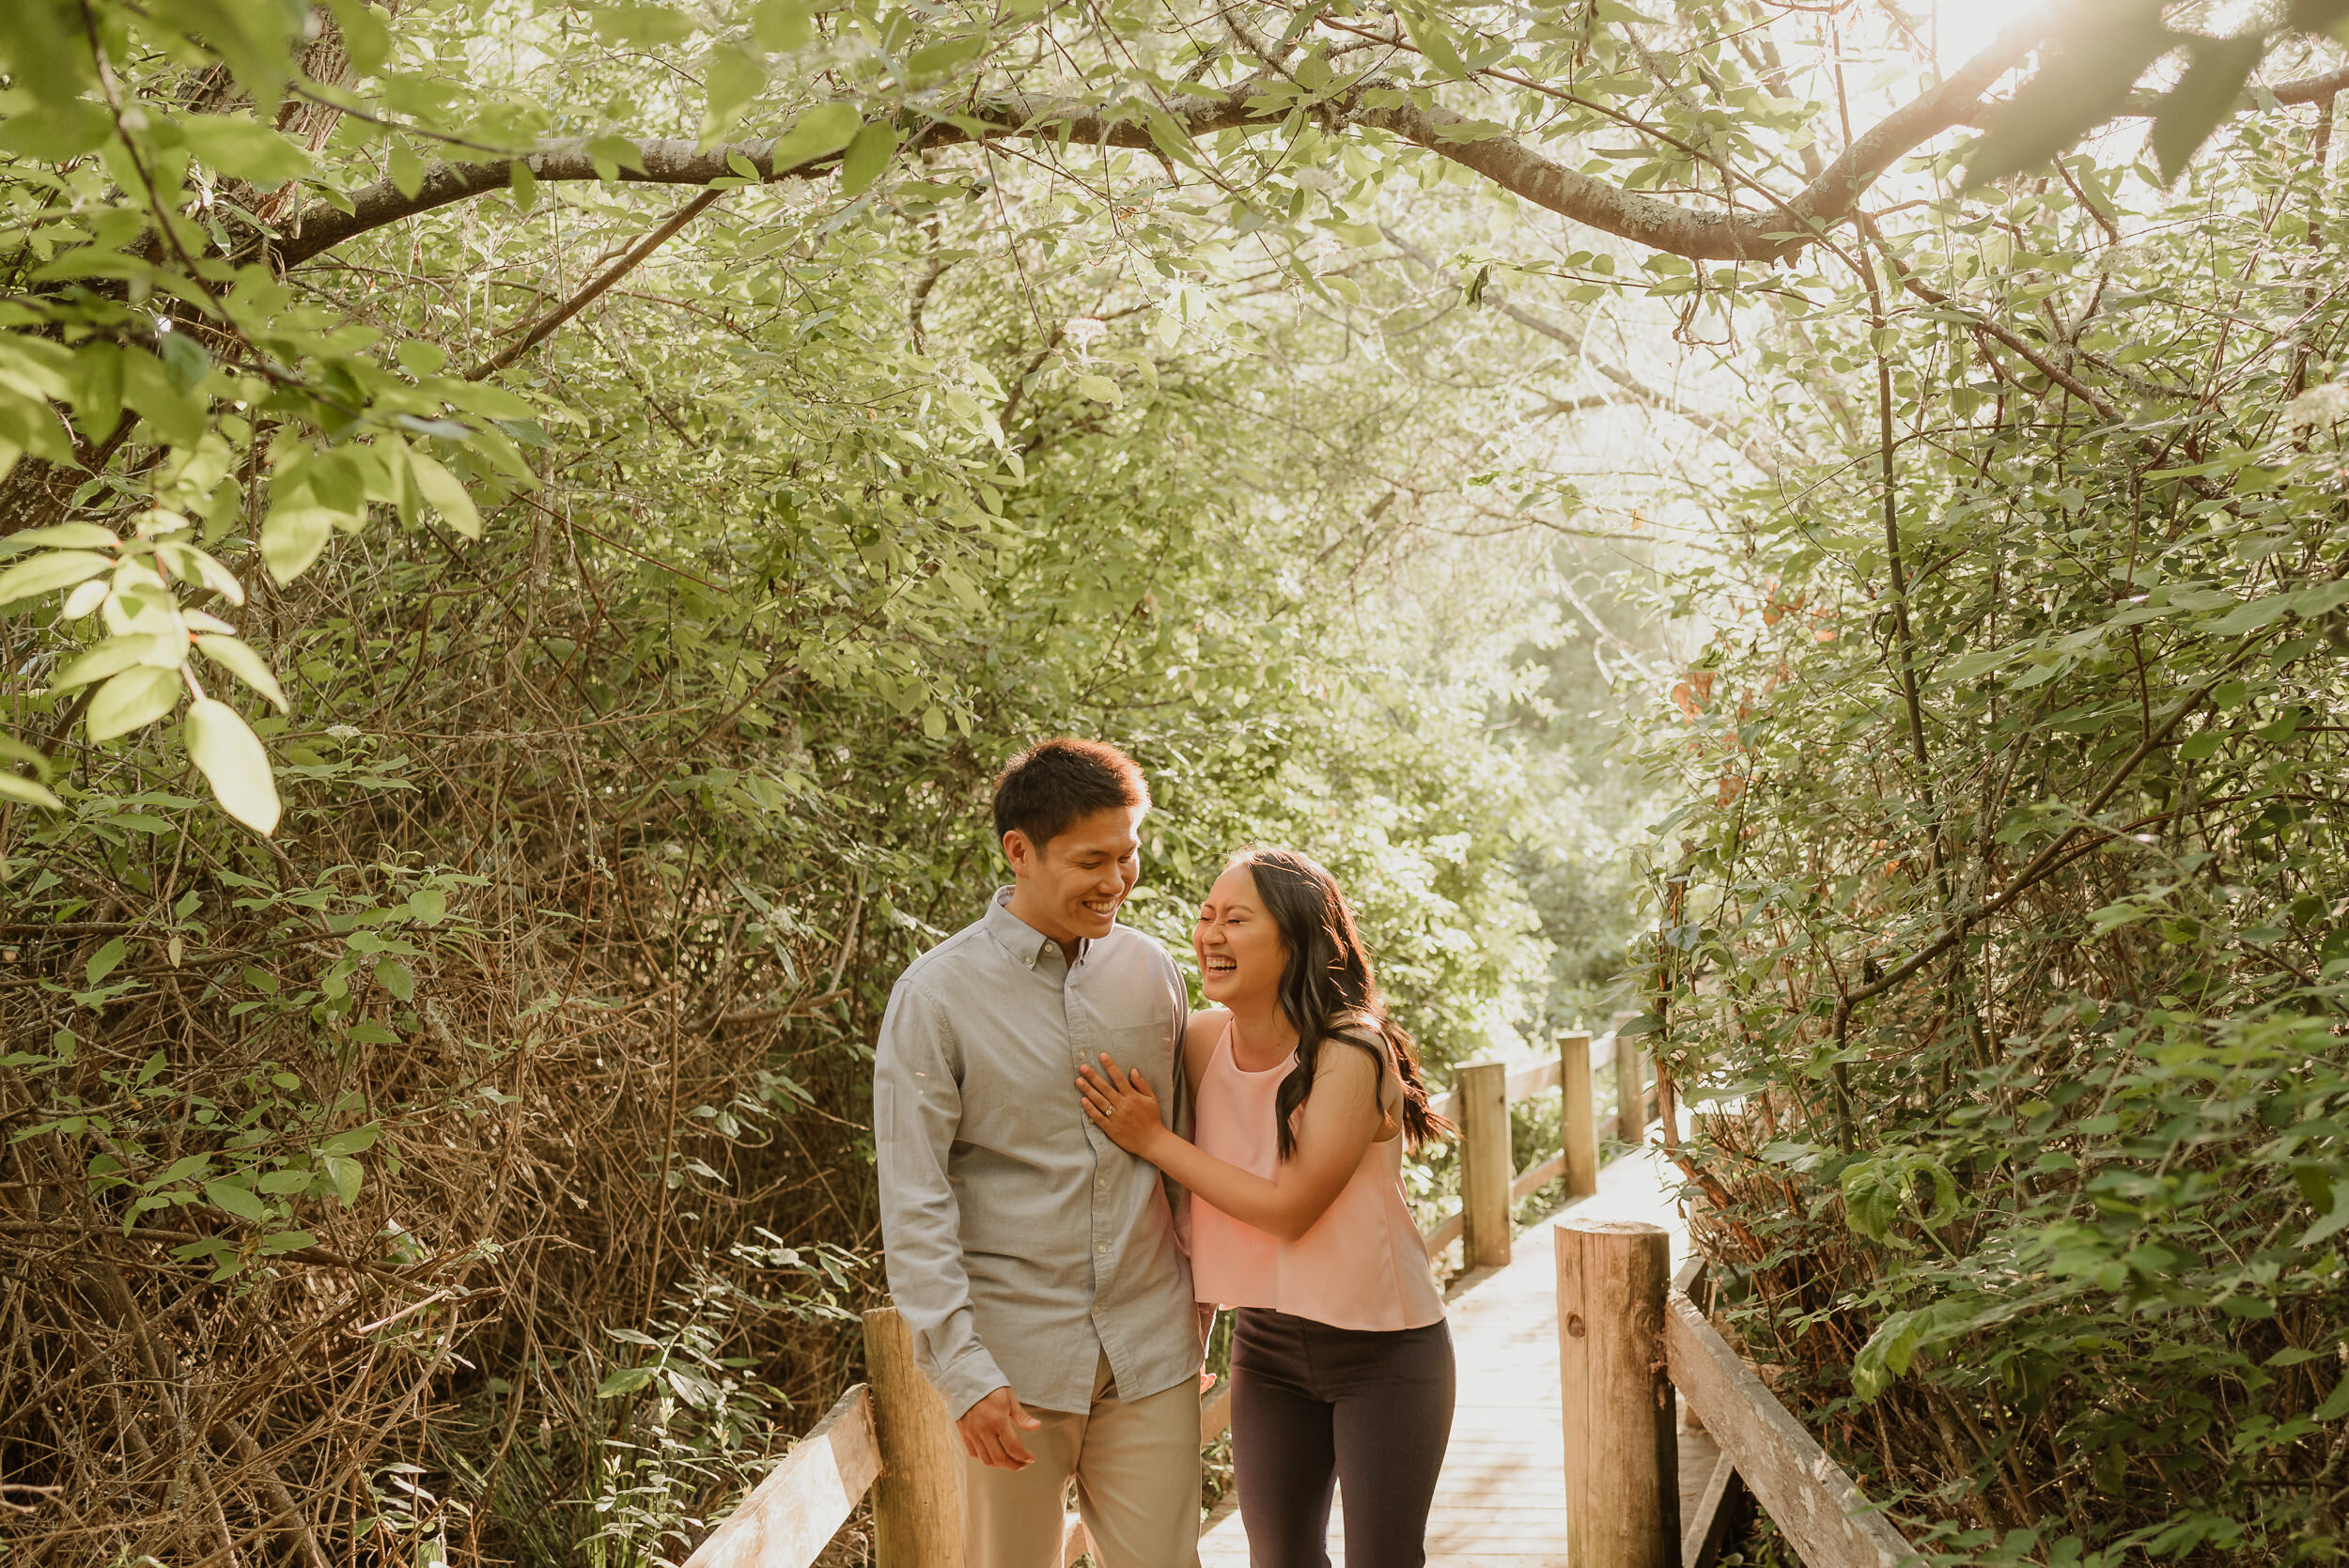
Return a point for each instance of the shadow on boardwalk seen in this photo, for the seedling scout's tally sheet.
(1502, 1502)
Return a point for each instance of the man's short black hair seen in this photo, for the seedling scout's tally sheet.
(1050, 785)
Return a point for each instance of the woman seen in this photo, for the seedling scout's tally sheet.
(1306, 1093)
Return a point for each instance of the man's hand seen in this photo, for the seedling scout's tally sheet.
(991, 1432)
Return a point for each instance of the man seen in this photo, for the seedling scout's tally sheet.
(1036, 1262)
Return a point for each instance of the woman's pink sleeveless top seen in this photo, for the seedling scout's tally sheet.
(1362, 1265)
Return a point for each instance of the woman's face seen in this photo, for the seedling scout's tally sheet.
(1241, 954)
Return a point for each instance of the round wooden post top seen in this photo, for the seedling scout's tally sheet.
(1613, 1226)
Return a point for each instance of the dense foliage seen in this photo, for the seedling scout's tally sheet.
(2008, 901)
(503, 663)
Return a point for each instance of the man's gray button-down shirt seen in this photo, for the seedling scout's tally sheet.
(1022, 1244)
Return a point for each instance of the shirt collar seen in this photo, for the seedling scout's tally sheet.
(1018, 938)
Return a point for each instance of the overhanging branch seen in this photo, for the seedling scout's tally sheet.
(1648, 221)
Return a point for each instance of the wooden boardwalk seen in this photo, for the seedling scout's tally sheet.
(1502, 1502)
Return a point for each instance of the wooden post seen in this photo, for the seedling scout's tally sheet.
(917, 1502)
(1623, 1460)
(1485, 1168)
(1577, 1124)
(1630, 1092)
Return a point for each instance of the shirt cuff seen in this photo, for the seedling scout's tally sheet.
(969, 1378)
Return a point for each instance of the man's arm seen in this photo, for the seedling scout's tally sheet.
(917, 1109)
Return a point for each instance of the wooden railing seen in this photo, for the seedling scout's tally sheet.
(892, 1437)
(1615, 1306)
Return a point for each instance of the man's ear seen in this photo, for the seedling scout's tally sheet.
(1020, 852)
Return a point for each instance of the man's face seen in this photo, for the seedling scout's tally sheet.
(1074, 886)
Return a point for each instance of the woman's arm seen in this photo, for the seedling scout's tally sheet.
(1338, 1120)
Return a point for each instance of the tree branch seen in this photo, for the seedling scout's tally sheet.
(1659, 225)
(580, 300)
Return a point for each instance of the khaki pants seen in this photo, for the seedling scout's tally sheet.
(1136, 1464)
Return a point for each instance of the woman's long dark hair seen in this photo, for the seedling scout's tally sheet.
(1329, 991)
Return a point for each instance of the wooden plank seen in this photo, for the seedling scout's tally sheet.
(1446, 1231)
(1485, 1160)
(791, 1516)
(1708, 1529)
(1622, 1454)
(1539, 1078)
(1538, 1177)
(1215, 1413)
(1823, 1513)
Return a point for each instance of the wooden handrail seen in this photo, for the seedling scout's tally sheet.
(791, 1516)
(1524, 1079)
(1820, 1510)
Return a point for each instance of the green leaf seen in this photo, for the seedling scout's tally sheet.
(288, 1241)
(2250, 617)
(257, 41)
(348, 1175)
(781, 25)
(1888, 1354)
(935, 59)
(233, 763)
(48, 572)
(2337, 1403)
(823, 130)
(441, 488)
(236, 1200)
(245, 665)
(104, 961)
(116, 654)
(58, 131)
(427, 905)
(653, 24)
(132, 699)
(292, 537)
(15, 787)
(868, 157)
(626, 1381)
(69, 535)
(397, 978)
(1428, 36)
(178, 418)
(733, 79)
(1100, 388)
(407, 170)
(356, 1141)
(2084, 81)
(244, 149)
(618, 151)
(2205, 96)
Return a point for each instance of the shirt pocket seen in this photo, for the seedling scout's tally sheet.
(1150, 1048)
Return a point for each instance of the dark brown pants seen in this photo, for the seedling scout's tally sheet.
(1314, 1406)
